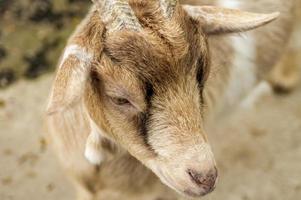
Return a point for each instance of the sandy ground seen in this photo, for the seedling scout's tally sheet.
(28, 170)
(258, 151)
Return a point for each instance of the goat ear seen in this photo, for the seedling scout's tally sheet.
(216, 20)
(71, 79)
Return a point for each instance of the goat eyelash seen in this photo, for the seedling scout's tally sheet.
(120, 101)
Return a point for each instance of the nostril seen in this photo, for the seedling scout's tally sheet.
(201, 179)
(196, 177)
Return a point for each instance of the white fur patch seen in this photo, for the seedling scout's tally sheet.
(234, 4)
(93, 151)
(79, 73)
(85, 59)
(261, 90)
(243, 72)
(242, 75)
(92, 154)
(78, 52)
(244, 89)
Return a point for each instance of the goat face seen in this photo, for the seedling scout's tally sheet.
(146, 84)
(150, 94)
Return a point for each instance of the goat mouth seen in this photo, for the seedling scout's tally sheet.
(195, 194)
(191, 192)
(181, 184)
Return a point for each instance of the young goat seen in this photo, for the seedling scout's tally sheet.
(136, 83)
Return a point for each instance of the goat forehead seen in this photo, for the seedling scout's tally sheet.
(161, 42)
(148, 55)
(125, 43)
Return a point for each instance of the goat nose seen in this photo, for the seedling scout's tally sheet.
(204, 180)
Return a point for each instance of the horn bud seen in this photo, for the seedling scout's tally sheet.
(117, 15)
(168, 7)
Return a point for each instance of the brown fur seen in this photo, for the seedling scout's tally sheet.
(171, 72)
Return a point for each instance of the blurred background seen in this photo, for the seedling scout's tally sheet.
(260, 159)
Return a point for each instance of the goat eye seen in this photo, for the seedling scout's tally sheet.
(120, 101)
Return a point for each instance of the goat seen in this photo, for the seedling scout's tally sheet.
(138, 82)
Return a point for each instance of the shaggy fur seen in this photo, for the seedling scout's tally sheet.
(148, 94)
